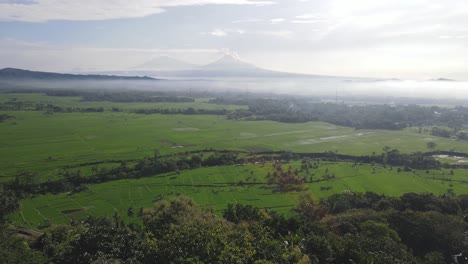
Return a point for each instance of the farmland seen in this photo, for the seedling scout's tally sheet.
(214, 187)
(44, 145)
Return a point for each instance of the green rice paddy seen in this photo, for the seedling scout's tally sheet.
(214, 187)
(46, 144)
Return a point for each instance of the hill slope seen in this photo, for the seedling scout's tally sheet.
(12, 74)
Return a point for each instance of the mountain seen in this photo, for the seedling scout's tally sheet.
(165, 63)
(442, 80)
(229, 63)
(232, 66)
(12, 74)
(228, 66)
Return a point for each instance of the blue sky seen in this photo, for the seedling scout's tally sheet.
(387, 38)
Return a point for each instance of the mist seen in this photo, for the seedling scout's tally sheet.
(340, 89)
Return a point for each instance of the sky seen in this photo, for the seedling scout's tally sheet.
(416, 39)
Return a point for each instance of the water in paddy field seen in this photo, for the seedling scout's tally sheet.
(323, 86)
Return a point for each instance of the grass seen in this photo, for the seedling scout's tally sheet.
(44, 144)
(215, 187)
(75, 101)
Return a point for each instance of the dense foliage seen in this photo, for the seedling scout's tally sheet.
(4, 117)
(392, 117)
(345, 228)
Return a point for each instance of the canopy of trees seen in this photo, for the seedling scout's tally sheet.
(392, 117)
(345, 228)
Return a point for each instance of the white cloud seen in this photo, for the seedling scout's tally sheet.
(277, 20)
(306, 16)
(218, 33)
(225, 32)
(370, 20)
(32, 55)
(249, 20)
(453, 37)
(45, 10)
(18, 2)
(234, 54)
(304, 21)
(287, 34)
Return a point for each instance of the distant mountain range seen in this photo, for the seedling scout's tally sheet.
(12, 74)
(229, 63)
(226, 66)
(229, 66)
(442, 80)
(170, 68)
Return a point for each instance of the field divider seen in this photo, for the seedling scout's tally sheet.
(66, 216)
(344, 183)
(77, 203)
(146, 187)
(224, 173)
(40, 214)
(24, 220)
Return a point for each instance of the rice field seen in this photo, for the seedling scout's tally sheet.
(215, 187)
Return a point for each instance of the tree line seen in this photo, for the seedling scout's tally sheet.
(71, 179)
(4, 117)
(121, 96)
(51, 108)
(369, 116)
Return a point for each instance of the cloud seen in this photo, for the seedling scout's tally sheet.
(287, 34)
(225, 32)
(218, 33)
(277, 20)
(249, 20)
(366, 22)
(18, 2)
(32, 55)
(234, 54)
(304, 21)
(453, 37)
(45, 10)
(306, 16)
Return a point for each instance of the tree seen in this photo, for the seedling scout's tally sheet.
(130, 212)
(16, 250)
(96, 240)
(431, 145)
(12, 248)
(8, 203)
(308, 210)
